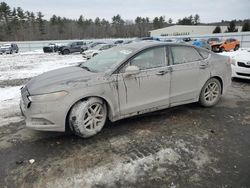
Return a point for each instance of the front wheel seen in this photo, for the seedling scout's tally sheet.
(65, 52)
(210, 93)
(88, 117)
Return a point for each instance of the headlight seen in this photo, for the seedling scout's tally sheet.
(49, 96)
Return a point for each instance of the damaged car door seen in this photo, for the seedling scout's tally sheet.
(144, 82)
(189, 73)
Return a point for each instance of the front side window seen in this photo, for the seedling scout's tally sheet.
(183, 54)
(149, 59)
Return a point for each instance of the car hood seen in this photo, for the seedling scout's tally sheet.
(217, 43)
(91, 51)
(61, 79)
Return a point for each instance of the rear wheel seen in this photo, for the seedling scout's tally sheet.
(88, 117)
(236, 47)
(210, 93)
(222, 49)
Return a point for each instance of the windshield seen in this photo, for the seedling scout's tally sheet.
(106, 60)
(97, 47)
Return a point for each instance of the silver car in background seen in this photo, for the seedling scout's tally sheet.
(96, 50)
(122, 82)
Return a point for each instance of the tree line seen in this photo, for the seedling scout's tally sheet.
(17, 24)
(232, 27)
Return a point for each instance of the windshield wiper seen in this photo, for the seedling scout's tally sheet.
(86, 68)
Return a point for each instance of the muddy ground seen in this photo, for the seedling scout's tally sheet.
(185, 146)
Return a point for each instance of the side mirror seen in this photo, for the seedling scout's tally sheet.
(132, 69)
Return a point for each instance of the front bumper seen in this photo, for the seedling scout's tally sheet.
(240, 72)
(48, 116)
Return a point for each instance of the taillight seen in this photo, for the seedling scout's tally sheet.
(231, 61)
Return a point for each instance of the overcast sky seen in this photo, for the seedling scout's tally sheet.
(209, 10)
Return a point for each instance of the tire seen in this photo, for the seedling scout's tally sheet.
(11, 52)
(88, 117)
(236, 47)
(65, 52)
(210, 93)
(222, 49)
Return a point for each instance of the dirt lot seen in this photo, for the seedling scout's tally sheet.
(186, 146)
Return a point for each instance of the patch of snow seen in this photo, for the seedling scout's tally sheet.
(109, 174)
(9, 105)
(26, 65)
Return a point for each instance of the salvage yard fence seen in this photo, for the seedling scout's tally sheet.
(243, 37)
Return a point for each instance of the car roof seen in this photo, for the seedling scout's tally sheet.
(148, 44)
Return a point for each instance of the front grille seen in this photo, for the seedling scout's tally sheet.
(241, 64)
(243, 74)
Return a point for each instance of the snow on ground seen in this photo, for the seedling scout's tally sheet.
(30, 64)
(25, 65)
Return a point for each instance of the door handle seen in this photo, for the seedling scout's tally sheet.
(162, 72)
(203, 65)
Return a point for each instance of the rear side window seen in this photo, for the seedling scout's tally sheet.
(79, 43)
(183, 54)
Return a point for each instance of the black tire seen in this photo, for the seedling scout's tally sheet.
(210, 93)
(11, 52)
(236, 47)
(88, 117)
(65, 52)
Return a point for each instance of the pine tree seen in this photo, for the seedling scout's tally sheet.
(217, 29)
(196, 19)
(232, 27)
(246, 26)
(41, 23)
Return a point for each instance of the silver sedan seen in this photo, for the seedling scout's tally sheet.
(122, 82)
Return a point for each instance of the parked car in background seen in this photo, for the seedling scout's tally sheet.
(51, 47)
(227, 45)
(9, 48)
(202, 43)
(117, 42)
(121, 82)
(147, 39)
(241, 65)
(128, 41)
(72, 47)
(90, 46)
(213, 40)
(96, 50)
